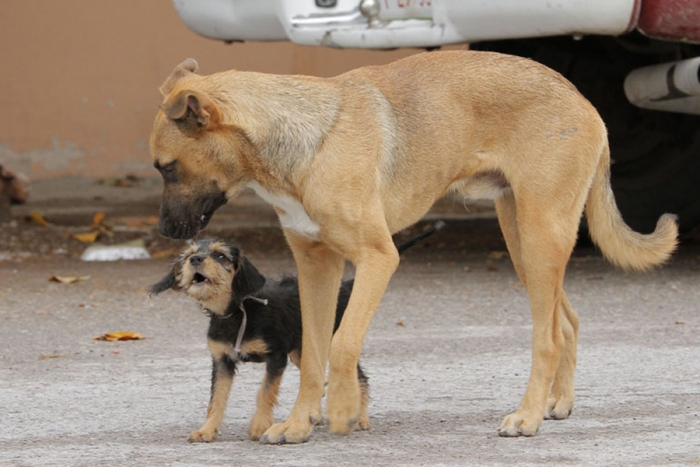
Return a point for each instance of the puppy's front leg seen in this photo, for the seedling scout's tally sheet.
(267, 396)
(223, 369)
(320, 270)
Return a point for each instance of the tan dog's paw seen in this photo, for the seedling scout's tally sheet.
(289, 432)
(258, 426)
(202, 436)
(559, 408)
(343, 422)
(343, 408)
(520, 423)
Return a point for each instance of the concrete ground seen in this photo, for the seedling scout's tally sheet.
(448, 352)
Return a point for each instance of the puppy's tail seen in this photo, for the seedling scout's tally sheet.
(403, 246)
(620, 244)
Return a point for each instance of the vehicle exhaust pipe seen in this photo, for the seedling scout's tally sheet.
(673, 87)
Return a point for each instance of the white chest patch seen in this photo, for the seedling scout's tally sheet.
(292, 214)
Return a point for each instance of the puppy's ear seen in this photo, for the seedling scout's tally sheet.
(193, 110)
(247, 279)
(186, 68)
(168, 282)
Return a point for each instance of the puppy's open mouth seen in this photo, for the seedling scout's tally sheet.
(199, 279)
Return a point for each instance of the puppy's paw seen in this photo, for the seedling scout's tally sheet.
(363, 423)
(202, 436)
(520, 423)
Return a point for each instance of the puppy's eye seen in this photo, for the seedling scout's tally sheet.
(218, 255)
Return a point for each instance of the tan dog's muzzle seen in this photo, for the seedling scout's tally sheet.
(183, 216)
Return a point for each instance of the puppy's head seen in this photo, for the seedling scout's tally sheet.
(214, 274)
(199, 153)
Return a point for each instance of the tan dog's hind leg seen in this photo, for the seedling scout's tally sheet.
(540, 246)
(561, 398)
(320, 271)
(374, 268)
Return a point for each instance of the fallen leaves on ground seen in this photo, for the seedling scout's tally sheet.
(37, 218)
(97, 228)
(87, 237)
(55, 355)
(97, 219)
(68, 279)
(119, 336)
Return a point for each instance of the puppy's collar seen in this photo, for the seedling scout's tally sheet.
(241, 330)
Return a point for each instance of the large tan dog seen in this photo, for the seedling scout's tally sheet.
(347, 161)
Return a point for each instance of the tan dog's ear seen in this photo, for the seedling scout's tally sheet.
(187, 67)
(195, 110)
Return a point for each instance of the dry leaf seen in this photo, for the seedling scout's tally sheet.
(87, 237)
(68, 279)
(119, 336)
(37, 218)
(55, 355)
(97, 219)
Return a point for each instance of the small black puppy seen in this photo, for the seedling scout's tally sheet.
(251, 320)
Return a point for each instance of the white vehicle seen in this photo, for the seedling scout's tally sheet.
(636, 60)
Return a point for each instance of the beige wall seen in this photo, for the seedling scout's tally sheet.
(79, 79)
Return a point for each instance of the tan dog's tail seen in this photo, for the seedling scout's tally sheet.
(620, 244)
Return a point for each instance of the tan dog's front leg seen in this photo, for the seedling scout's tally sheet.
(320, 271)
(374, 268)
(223, 370)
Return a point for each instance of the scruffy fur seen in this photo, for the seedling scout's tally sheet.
(349, 160)
(221, 279)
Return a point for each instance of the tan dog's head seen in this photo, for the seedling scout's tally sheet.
(198, 154)
(212, 273)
